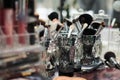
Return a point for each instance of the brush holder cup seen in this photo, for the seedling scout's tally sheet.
(67, 52)
(91, 48)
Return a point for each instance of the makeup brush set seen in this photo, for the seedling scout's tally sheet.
(80, 45)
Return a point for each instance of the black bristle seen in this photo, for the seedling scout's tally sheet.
(89, 32)
(53, 15)
(95, 25)
(108, 55)
(85, 18)
(69, 23)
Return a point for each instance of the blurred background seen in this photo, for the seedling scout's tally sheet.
(71, 7)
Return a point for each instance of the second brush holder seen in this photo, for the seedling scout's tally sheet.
(91, 44)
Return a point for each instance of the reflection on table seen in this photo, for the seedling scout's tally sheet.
(104, 74)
